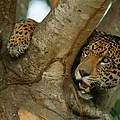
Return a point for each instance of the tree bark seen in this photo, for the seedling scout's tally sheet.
(38, 85)
(111, 22)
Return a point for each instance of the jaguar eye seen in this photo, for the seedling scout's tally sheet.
(105, 60)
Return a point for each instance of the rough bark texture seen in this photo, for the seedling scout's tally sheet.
(21, 9)
(111, 22)
(39, 85)
(7, 20)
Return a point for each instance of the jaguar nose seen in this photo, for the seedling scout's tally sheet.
(83, 73)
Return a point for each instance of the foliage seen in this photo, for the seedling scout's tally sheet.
(115, 112)
(47, 1)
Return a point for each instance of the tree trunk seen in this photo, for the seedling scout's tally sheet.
(111, 22)
(38, 85)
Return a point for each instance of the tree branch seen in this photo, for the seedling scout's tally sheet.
(55, 43)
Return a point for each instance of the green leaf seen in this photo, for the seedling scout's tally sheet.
(47, 1)
(115, 112)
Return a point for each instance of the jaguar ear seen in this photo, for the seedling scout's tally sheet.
(97, 33)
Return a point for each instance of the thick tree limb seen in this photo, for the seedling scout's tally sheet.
(47, 63)
(111, 22)
(7, 20)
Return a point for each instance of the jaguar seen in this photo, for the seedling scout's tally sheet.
(21, 36)
(99, 65)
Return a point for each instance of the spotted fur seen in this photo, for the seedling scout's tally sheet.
(100, 61)
(20, 38)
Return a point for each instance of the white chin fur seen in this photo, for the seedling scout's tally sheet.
(77, 76)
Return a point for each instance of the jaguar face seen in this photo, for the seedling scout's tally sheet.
(100, 62)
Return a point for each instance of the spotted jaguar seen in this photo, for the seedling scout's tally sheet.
(99, 65)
